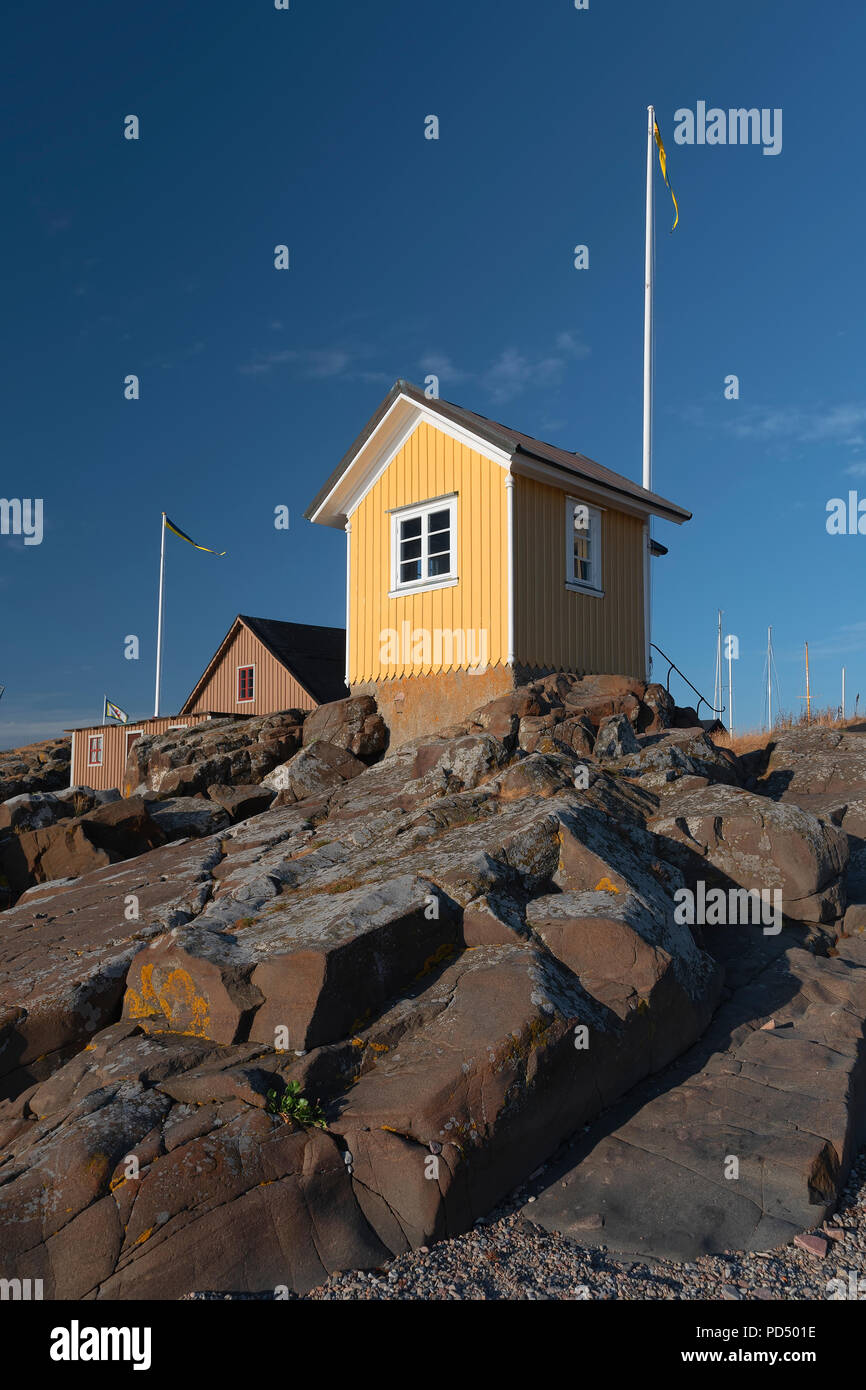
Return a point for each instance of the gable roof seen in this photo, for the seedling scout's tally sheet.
(314, 656)
(507, 446)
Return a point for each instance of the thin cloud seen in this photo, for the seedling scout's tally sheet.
(318, 364)
(844, 425)
(514, 370)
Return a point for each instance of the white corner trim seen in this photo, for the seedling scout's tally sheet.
(509, 543)
(72, 761)
(348, 594)
(379, 451)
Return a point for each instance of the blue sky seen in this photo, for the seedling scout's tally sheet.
(306, 127)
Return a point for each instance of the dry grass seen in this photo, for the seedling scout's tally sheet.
(750, 739)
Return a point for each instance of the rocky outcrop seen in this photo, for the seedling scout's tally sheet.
(760, 845)
(353, 724)
(464, 952)
(743, 1143)
(39, 767)
(111, 832)
(185, 762)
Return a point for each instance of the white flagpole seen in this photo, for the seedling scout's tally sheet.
(104, 703)
(648, 309)
(159, 618)
(647, 371)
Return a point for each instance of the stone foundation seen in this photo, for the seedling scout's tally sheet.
(415, 705)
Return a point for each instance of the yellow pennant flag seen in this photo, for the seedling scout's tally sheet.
(184, 537)
(663, 164)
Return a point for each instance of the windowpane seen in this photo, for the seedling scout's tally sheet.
(245, 683)
(585, 545)
(439, 564)
(424, 546)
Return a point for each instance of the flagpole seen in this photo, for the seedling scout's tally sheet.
(104, 704)
(648, 309)
(159, 617)
(647, 374)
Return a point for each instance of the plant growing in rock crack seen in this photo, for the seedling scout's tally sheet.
(291, 1105)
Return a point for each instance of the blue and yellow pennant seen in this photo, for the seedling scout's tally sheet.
(663, 164)
(189, 540)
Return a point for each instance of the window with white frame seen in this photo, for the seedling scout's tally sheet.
(424, 545)
(582, 546)
(94, 750)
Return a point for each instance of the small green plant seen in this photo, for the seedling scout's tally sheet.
(291, 1105)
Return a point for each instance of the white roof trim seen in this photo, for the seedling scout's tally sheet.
(379, 451)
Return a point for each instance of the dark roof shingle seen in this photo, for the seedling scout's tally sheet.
(315, 656)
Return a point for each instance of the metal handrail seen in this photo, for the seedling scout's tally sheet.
(702, 699)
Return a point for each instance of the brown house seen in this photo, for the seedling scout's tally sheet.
(262, 665)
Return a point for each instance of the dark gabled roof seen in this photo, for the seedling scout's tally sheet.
(315, 656)
(511, 441)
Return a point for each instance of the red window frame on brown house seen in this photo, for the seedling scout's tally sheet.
(95, 746)
(246, 684)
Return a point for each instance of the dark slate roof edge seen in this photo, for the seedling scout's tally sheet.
(511, 441)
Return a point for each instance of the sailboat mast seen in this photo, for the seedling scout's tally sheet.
(808, 694)
(769, 678)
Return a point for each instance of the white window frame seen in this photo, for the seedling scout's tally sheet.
(100, 740)
(423, 510)
(581, 586)
(246, 666)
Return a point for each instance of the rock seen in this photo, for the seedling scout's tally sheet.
(233, 752)
(784, 1103)
(463, 953)
(687, 757)
(224, 1195)
(616, 738)
(317, 769)
(313, 971)
(39, 767)
(352, 724)
(241, 802)
(114, 831)
(661, 707)
(30, 811)
(813, 1244)
(66, 952)
(763, 845)
(79, 800)
(188, 815)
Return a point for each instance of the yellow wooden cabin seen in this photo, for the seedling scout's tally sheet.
(478, 558)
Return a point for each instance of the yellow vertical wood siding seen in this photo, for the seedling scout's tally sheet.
(556, 627)
(429, 465)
